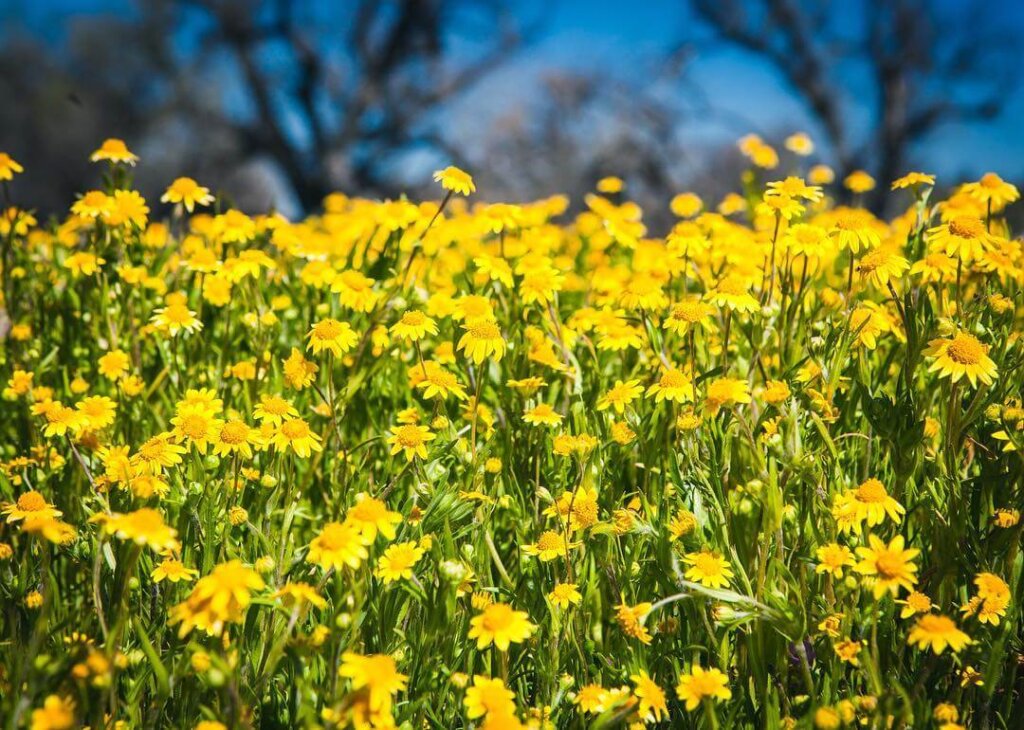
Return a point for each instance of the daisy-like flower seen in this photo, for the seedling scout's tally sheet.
(859, 181)
(542, 415)
(187, 192)
(631, 620)
(869, 502)
(564, 594)
(61, 420)
(799, 144)
(57, 713)
(882, 265)
(128, 207)
(372, 516)
(653, 706)
(455, 180)
(550, 545)
(805, 238)
(158, 453)
(218, 598)
(338, 544)
(643, 291)
(299, 594)
(963, 237)
(273, 409)
(398, 561)
(438, 382)
(914, 180)
(683, 523)
(708, 568)
(674, 386)
(488, 697)
(620, 395)
(411, 439)
(298, 371)
(482, 339)
(687, 314)
(144, 526)
(832, 558)
(295, 434)
(937, 632)
(501, 625)
(854, 229)
(173, 571)
(355, 290)
(176, 317)
(593, 699)
(849, 651)
(30, 505)
(780, 204)
(700, 684)
(724, 392)
(114, 150)
(733, 293)
(992, 189)
(959, 356)
(915, 602)
(114, 364)
(414, 326)
(775, 392)
(888, 567)
(9, 167)
(331, 335)
(378, 674)
(234, 437)
(195, 425)
(796, 187)
(83, 263)
(98, 410)
(935, 268)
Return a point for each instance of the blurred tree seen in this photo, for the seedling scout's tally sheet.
(914, 64)
(318, 95)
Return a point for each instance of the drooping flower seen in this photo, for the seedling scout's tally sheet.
(187, 192)
(455, 180)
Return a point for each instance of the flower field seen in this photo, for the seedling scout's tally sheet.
(458, 464)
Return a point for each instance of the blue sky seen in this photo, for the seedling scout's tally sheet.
(627, 38)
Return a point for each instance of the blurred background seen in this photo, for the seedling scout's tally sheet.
(275, 103)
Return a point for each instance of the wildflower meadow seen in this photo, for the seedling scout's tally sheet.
(466, 464)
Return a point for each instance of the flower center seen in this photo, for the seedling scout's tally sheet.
(234, 432)
(327, 330)
(966, 227)
(549, 541)
(485, 331)
(872, 491)
(673, 379)
(31, 502)
(965, 350)
(497, 618)
(294, 429)
(889, 565)
(409, 436)
(194, 427)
